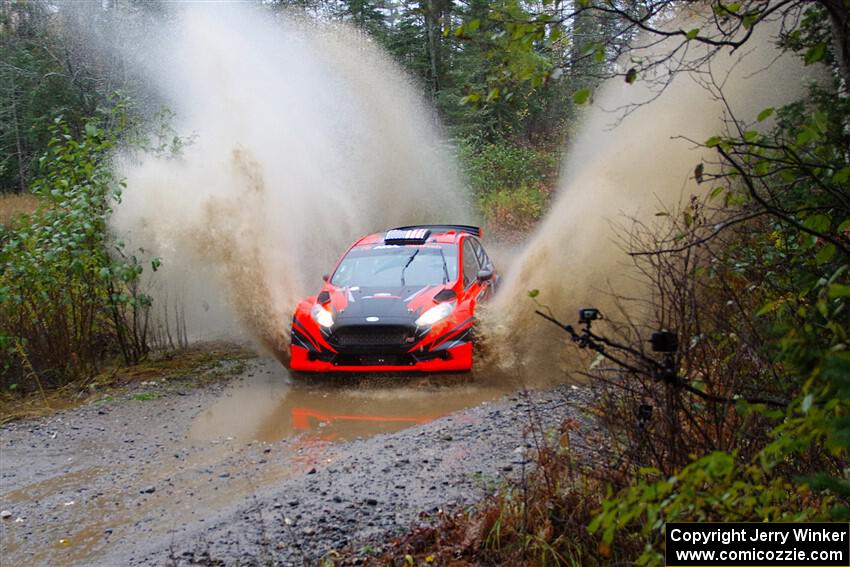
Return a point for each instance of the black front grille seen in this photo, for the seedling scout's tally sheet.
(374, 360)
(373, 336)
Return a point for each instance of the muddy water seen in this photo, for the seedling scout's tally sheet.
(273, 406)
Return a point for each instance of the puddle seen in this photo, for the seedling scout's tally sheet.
(61, 487)
(271, 406)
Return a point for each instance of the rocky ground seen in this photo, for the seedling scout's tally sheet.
(185, 473)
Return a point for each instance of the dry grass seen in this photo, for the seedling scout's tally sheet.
(200, 362)
(12, 205)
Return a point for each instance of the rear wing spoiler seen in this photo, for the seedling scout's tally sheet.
(438, 228)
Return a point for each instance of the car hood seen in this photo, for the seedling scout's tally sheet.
(399, 305)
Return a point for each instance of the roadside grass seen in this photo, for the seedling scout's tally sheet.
(200, 364)
(147, 396)
(12, 205)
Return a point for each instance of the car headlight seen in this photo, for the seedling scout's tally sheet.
(435, 314)
(322, 315)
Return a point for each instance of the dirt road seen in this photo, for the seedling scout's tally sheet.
(257, 468)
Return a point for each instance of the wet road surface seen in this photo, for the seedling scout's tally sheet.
(178, 470)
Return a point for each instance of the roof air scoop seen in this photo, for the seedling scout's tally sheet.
(413, 236)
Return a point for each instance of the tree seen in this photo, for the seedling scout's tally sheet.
(60, 59)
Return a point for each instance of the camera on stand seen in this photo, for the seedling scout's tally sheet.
(588, 314)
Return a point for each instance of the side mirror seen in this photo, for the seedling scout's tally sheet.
(485, 274)
(325, 277)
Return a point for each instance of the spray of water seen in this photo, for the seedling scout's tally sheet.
(630, 171)
(307, 135)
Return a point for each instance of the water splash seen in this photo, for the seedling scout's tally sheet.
(613, 175)
(307, 136)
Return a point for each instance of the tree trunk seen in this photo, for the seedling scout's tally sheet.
(839, 18)
(432, 25)
(22, 182)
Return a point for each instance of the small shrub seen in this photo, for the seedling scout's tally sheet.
(509, 212)
(503, 166)
(511, 183)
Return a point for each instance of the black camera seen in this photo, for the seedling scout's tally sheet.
(664, 341)
(588, 314)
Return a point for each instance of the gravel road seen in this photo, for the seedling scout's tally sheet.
(260, 469)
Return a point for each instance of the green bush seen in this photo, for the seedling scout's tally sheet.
(512, 184)
(504, 166)
(512, 211)
(69, 292)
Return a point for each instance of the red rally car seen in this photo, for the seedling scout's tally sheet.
(398, 301)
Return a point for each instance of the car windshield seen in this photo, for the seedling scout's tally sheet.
(390, 266)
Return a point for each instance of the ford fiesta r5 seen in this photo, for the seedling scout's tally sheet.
(398, 301)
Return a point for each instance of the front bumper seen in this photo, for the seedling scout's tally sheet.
(380, 349)
(457, 359)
